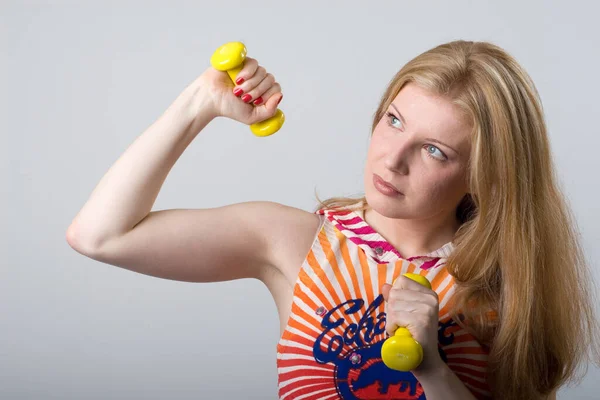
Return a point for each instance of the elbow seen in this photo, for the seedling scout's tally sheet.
(81, 242)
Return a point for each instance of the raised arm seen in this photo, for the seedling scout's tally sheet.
(116, 224)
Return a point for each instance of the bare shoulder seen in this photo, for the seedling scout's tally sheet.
(291, 232)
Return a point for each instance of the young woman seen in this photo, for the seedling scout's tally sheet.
(459, 187)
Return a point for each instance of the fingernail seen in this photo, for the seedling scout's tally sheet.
(239, 80)
(281, 98)
(246, 98)
(238, 92)
(258, 101)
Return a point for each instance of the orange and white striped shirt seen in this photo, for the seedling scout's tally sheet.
(331, 346)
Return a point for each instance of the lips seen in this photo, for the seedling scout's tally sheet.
(382, 182)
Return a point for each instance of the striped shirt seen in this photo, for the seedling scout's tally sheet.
(331, 345)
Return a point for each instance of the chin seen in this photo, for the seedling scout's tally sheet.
(386, 206)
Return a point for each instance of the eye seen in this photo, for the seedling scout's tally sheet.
(431, 151)
(391, 120)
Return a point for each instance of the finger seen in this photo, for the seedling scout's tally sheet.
(268, 109)
(250, 85)
(402, 282)
(258, 92)
(271, 91)
(248, 70)
(385, 291)
(409, 306)
(414, 322)
(429, 301)
(411, 295)
(397, 319)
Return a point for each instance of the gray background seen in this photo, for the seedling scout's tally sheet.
(81, 80)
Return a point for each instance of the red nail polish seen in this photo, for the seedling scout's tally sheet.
(258, 101)
(238, 92)
(281, 98)
(246, 98)
(239, 80)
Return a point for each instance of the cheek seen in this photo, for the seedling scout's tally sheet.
(372, 151)
(444, 186)
(377, 147)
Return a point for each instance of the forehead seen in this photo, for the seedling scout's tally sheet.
(433, 116)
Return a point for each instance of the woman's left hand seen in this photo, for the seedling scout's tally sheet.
(415, 307)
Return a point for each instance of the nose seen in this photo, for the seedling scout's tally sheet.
(397, 159)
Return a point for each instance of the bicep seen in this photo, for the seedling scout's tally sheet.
(195, 245)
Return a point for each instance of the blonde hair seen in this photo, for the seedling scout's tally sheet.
(517, 253)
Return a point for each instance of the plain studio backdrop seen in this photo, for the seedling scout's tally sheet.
(81, 80)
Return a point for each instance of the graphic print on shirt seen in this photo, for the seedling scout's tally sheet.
(359, 371)
(331, 346)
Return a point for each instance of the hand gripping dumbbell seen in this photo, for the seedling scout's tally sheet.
(230, 58)
(401, 352)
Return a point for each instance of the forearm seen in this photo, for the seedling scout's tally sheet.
(443, 384)
(126, 193)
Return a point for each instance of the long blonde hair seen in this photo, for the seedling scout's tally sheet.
(517, 253)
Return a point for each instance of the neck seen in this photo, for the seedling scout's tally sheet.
(413, 237)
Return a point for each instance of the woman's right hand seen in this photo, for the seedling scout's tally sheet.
(251, 101)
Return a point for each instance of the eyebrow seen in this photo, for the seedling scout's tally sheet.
(442, 143)
(398, 111)
(430, 139)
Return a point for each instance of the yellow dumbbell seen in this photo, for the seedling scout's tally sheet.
(230, 58)
(401, 352)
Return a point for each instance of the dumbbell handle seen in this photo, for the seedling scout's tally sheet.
(230, 58)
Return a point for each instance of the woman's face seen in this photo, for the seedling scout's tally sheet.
(421, 147)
